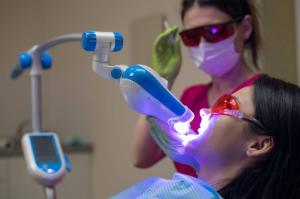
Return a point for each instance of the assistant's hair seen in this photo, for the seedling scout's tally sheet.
(277, 107)
(236, 9)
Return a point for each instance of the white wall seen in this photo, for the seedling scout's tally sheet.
(279, 39)
(297, 24)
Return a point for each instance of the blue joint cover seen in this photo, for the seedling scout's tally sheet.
(89, 41)
(116, 73)
(46, 61)
(25, 60)
(118, 42)
(148, 82)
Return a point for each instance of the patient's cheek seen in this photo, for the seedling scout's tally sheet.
(214, 134)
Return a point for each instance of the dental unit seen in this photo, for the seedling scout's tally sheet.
(43, 153)
(142, 88)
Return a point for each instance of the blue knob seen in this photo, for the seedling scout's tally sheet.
(118, 42)
(46, 61)
(25, 60)
(89, 40)
(116, 73)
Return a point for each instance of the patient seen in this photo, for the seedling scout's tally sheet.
(248, 147)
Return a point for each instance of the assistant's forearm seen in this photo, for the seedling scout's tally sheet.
(145, 150)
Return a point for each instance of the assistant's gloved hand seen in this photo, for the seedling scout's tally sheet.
(166, 54)
(172, 143)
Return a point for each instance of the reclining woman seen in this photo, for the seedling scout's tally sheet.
(247, 147)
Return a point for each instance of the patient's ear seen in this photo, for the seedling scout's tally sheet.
(259, 146)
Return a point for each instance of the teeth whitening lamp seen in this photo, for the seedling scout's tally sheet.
(142, 88)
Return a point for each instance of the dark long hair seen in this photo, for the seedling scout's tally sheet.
(277, 107)
(235, 9)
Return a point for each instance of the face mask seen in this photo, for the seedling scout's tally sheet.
(215, 59)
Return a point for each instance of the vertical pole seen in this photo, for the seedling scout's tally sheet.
(50, 192)
(36, 103)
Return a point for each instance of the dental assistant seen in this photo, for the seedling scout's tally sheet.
(217, 34)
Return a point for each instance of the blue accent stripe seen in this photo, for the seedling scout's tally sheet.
(146, 80)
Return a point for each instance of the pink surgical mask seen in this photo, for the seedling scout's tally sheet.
(215, 59)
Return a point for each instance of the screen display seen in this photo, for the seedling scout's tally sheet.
(44, 149)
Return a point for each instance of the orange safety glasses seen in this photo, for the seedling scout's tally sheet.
(228, 105)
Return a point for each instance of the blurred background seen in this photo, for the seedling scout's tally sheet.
(87, 112)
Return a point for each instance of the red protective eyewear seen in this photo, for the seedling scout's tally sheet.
(211, 33)
(228, 105)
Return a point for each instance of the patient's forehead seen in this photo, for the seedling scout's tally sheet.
(245, 98)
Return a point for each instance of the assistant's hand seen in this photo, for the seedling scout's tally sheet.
(171, 142)
(166, 54)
